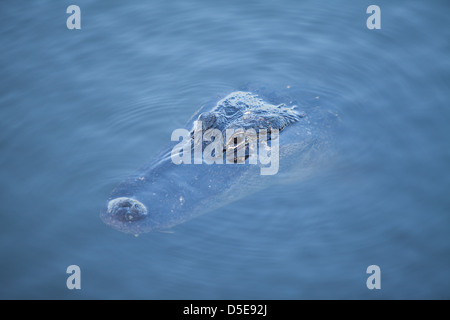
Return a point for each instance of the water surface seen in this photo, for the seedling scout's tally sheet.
(80, 110)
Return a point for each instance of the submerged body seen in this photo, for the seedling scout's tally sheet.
(164, 194)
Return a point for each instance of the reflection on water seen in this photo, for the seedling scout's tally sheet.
(81, 110)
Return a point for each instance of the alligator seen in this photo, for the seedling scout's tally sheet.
(163, 194)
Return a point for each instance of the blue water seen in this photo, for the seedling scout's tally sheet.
(82, 109)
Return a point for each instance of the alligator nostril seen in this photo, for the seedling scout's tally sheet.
(126, 209)
(125, 204)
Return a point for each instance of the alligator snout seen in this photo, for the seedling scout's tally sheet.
(126, 209)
